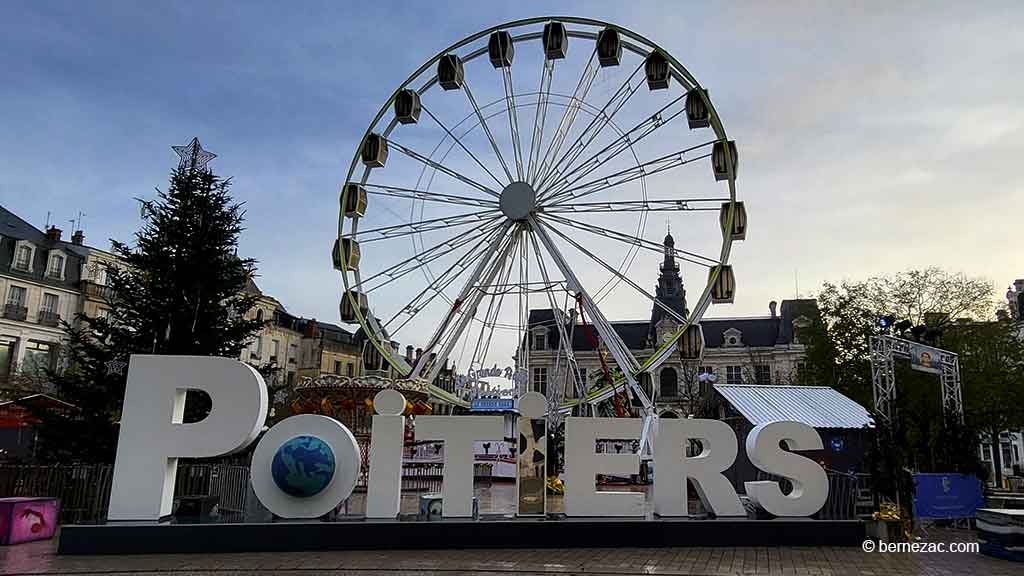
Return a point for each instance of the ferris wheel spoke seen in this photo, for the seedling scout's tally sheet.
(399, 230)
(468, 298)
(623, 142)
(615, 103)
(579, 96)
(423, 258)
(483, 345)
(562, 335)
(458, 141)
(649, 168)
(615, 272)
(469, 309)
(539, 117)
(440, 283)
(688, 205)
(611, 339)
(691, 257)
(486, 129)
(441, 168)
(513, 118)
(399, 192)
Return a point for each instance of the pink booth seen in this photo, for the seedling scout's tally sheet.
(27, 519)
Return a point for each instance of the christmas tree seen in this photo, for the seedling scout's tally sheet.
(179, 292)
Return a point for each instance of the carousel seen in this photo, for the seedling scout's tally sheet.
(350, 399)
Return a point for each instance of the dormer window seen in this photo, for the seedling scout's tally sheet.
(540, 340)
(23, 256)
(733, 337)
(800, 323)
(55, 268)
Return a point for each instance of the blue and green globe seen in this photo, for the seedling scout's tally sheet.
(303, 466)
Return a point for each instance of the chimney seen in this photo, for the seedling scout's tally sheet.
(772, 306)
(53, 234)
(419, 352)
(408, 353)
(78, 238)
(310, 329)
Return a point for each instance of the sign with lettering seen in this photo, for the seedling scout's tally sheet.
(305, 465)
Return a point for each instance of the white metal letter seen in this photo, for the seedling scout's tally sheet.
(384, 489)
(582, 465)
(153, 437)
(810, 483)
(673, 467)
(458, 434)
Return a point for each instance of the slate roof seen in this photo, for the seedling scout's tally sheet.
(13, 229)
(765, 331)
(816, 406)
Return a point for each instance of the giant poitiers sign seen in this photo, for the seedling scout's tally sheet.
(153, 437)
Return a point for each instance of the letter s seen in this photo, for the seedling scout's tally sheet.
(810, 483)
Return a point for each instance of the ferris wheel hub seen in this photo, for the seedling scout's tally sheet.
(518, 201)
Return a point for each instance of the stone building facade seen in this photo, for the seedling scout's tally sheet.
(44, 280)
(743, 350)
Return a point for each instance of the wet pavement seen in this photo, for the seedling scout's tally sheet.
(41, 557)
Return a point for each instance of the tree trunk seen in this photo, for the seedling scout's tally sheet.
(997, 458)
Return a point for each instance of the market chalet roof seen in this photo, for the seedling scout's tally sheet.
(816, 406)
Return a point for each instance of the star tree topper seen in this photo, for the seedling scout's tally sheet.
(193, 155)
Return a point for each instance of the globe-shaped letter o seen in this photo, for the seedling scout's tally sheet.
(341, 450)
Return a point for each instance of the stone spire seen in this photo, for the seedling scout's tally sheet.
(670, 290)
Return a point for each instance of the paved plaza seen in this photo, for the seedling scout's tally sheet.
(41, 558)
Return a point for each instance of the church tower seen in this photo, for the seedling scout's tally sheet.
(669, 291)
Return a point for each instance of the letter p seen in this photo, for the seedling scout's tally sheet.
(153, 436)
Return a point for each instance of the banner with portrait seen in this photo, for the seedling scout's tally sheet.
(925, 358)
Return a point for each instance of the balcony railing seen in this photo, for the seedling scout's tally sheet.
(15, 312)
(47, 318)
(97, 291)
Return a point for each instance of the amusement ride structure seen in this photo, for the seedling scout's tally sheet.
(472, 198)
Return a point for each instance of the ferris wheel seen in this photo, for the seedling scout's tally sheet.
(517, 171)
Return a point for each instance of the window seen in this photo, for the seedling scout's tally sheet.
(56, 267)
(350, 370)
(101, 274)
(16, 296)
(337, 367)
(762, 374)
(733, 375)
(49, 304)
(6, 356)
(24, 260)
(259, 315)
(539, 341)
(705, 379)
(38, 358)
(275, 348)
(540, 380)
(291, 378)
(293, 351)
(669, 383)
(257, 351)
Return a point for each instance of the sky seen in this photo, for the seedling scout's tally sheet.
(874, 137)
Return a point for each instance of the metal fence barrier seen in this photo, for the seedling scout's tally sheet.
(845, 494)
(84, 489)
